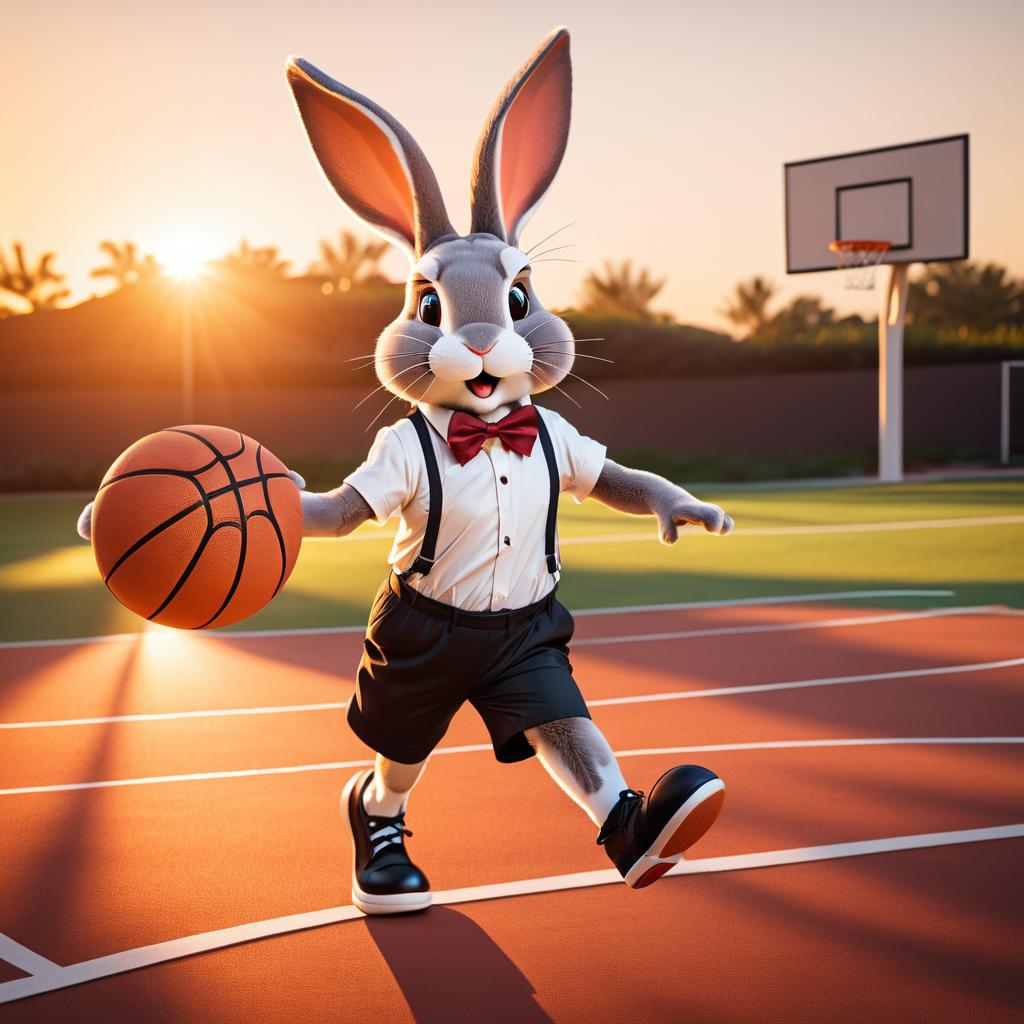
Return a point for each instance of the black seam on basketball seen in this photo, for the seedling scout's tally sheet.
(272, 517)
(205, 497)
(183, 473)
(155, 532)
(210, 529)
(248, 482)
(219, 455)
(243, 526)
(187, 571)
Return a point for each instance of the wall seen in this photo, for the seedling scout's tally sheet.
(798, 414)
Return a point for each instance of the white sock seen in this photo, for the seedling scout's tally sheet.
(379, 798)
(577, 756)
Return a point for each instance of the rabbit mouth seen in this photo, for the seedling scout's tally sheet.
(483, 385)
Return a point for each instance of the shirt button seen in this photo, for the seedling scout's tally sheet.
(508, 541)
(504, 479)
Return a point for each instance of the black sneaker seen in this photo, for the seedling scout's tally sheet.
(645, 837)
(384, 880)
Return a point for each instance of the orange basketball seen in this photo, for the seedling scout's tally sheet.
(196, 527)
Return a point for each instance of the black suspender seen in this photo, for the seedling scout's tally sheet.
(424, 561)
(550, 527)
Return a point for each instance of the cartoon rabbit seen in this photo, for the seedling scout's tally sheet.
(468, 612)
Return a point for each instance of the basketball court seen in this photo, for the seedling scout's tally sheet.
(176, 841)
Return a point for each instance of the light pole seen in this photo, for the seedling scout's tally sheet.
(188, 368)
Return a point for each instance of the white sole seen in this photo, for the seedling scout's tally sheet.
(653, 859)
(371, 903)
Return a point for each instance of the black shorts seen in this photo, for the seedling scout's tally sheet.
(423, 659)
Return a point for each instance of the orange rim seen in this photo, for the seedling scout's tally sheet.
(860, 245)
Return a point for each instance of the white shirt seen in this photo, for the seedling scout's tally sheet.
(490, 548)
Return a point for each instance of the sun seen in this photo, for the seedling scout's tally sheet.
(184, 255)
(182, 266)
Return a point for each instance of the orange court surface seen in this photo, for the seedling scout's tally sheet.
(173, 849)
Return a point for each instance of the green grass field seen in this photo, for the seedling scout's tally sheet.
(49, 586)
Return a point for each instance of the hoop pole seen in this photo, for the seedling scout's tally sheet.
(891, 319)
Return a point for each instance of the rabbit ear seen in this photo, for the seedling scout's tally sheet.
(522, 146)
(372, 162)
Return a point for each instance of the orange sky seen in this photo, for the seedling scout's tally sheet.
(170, 123)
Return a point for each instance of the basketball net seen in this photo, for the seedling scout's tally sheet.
(859, 260)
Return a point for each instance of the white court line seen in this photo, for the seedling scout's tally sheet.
(787, 627)
(204, 942)
(796, 684)
(803, 531)
(261, 634)
(278, 709)
(24, 959)
(481, 748)
(740, 531)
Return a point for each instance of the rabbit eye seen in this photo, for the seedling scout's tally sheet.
(518, 302)
(430, 308)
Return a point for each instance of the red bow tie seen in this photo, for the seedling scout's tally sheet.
(517, 431)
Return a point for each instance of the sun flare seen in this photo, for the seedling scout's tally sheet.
(184, 256)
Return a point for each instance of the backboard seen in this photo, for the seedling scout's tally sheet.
(913, 196)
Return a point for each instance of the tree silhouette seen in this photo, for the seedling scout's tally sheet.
(620, 292)
(125, 266)
(38, 286)
(350, 262)
(804, 316)
(747, 309)
(966, 296)
(256, 261)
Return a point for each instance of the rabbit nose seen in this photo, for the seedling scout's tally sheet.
(479, 338)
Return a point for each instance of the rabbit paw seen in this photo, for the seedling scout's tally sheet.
(296, 479)
(682, 513)
(85, 522)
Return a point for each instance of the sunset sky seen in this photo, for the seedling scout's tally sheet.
(170, 123)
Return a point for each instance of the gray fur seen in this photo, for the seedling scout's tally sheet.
(316, 96)
(419, 362)
(640, 493)
(334, 513)
(570, 740)
(488, 215)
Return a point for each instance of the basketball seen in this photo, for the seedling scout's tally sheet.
(196, 527)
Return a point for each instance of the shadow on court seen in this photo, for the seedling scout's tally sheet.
(450, 970)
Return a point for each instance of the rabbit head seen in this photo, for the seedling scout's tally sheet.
(473, 334)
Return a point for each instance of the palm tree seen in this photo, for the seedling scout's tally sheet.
(350, 262)
(804, 316)
(620, 292)
(259, 261)
(125, 266)
(748, 308)
(37, 286)
(967, 296)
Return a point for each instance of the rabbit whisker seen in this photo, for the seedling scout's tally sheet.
(577, 376)
(552, 235)
(576, 355)
(556, 248)
(551, 319)
(413, 337)
(392, 399)
(552, 384)
(373, 355)
(389, 382)
(554, 259)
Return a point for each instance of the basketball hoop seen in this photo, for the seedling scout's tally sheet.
(859, 260)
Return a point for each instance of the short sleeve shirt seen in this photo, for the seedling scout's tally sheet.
(490, 550)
